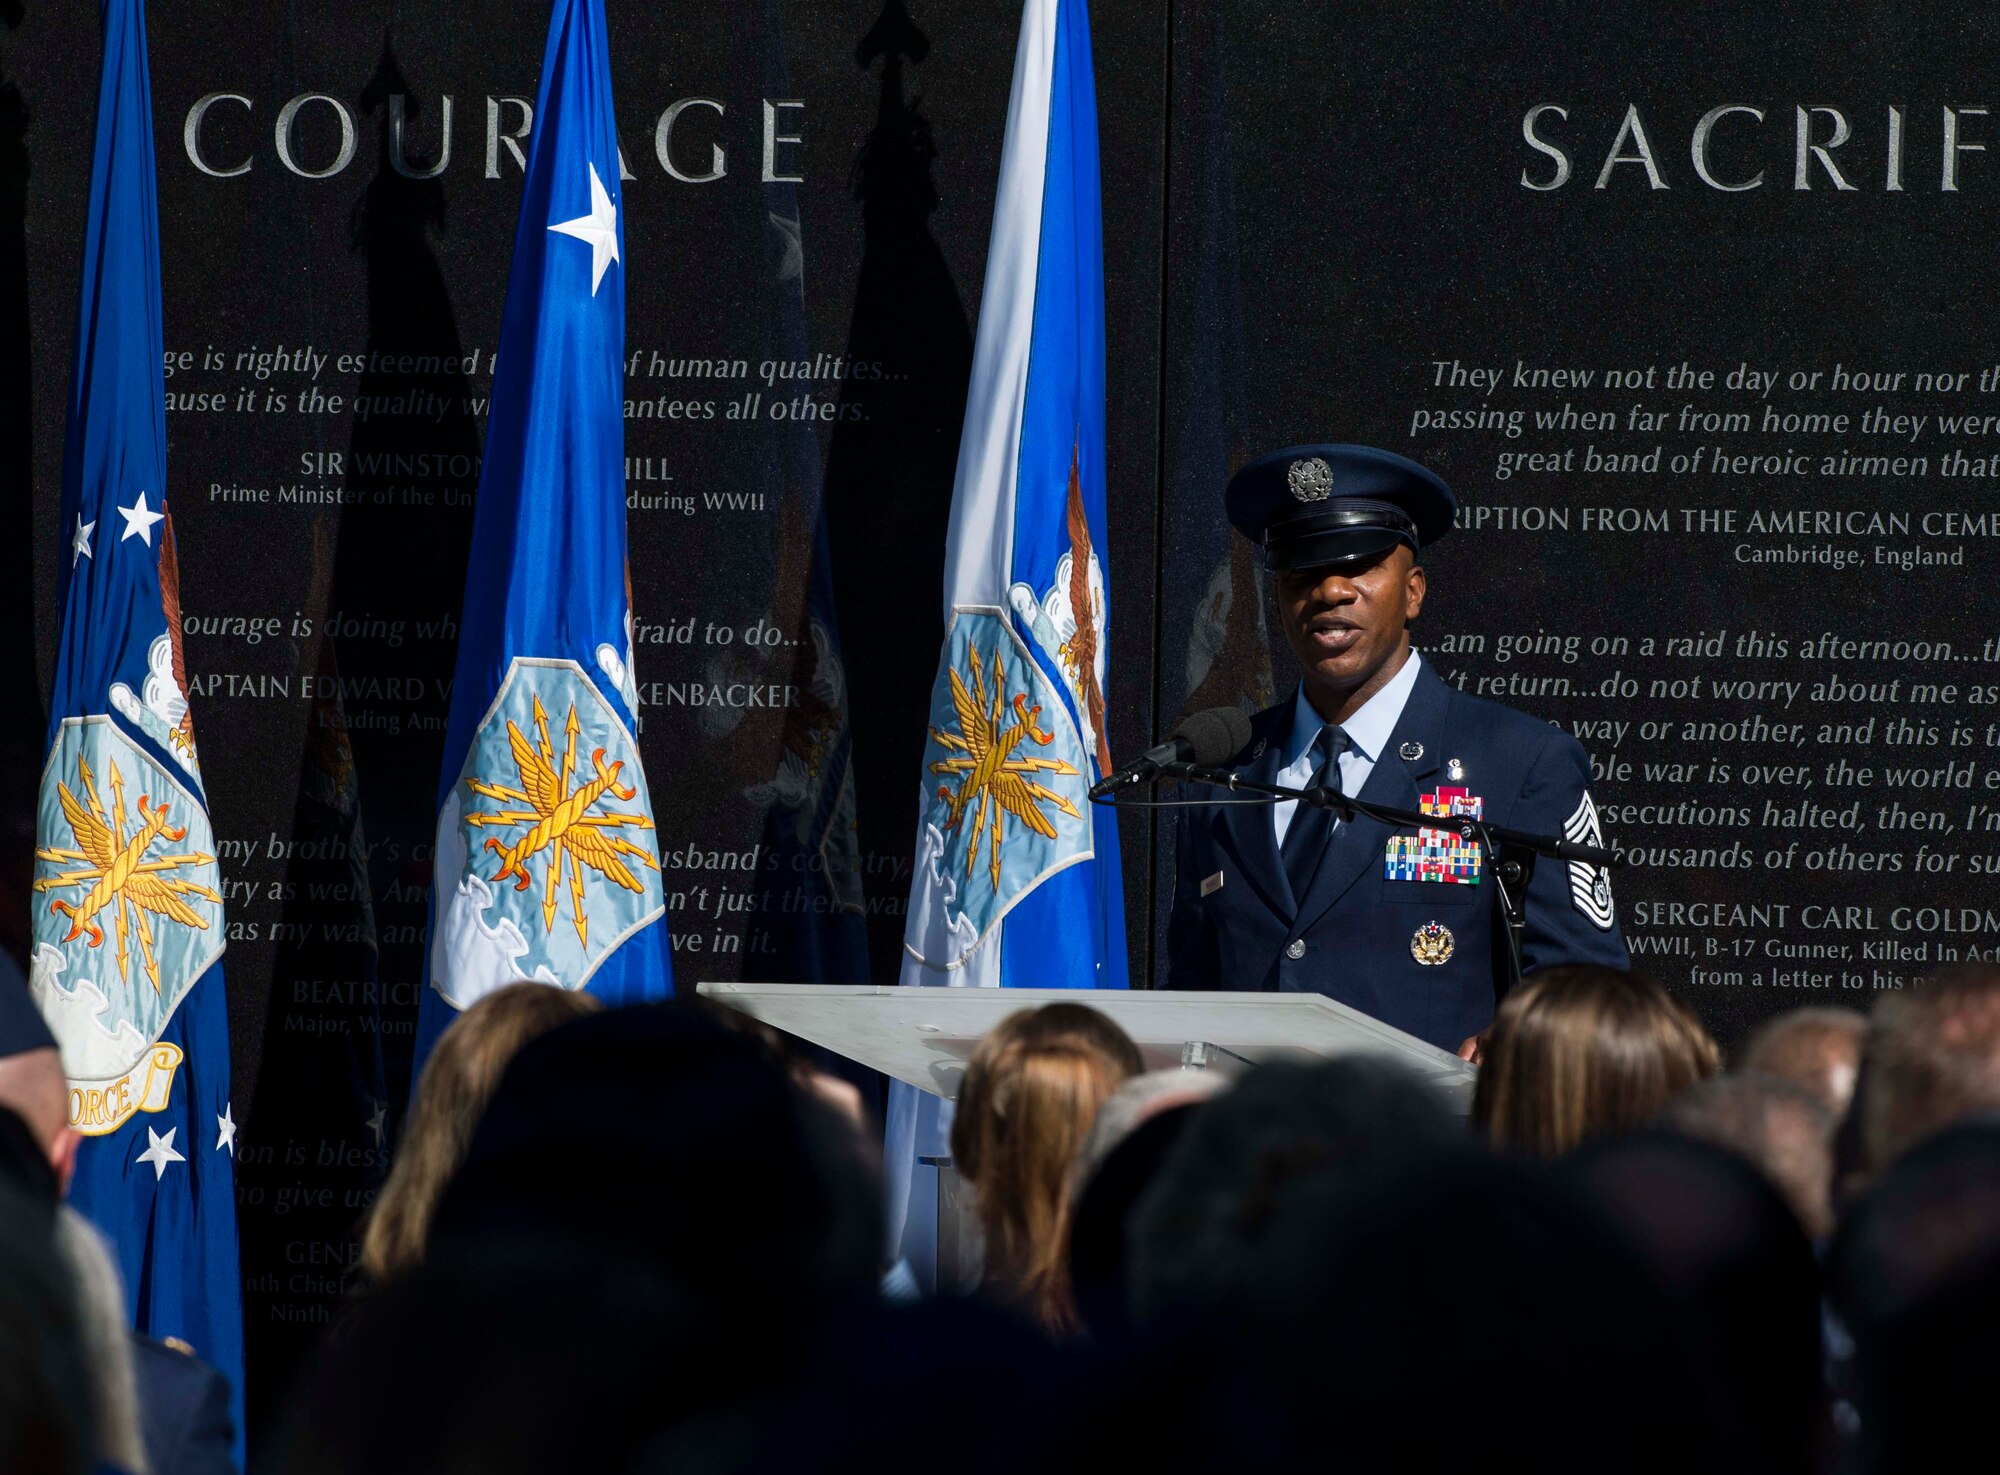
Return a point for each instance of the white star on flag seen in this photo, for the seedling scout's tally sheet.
(225, 1134)
(599, 228)
(139, 520)
(79, 545)
(377, 1122)
(160, 1151)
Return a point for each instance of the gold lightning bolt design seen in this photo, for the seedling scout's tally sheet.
(992, 782)
(560, 820)
(112, 864)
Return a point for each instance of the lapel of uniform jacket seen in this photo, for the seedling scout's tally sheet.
(1356, 848)
(1248, 824)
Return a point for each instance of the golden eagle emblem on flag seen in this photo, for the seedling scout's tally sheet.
(560, 819)
(992, 781)
(574, 833)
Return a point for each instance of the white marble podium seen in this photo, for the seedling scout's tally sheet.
(924, 1036)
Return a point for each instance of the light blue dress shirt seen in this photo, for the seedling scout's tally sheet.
(1368, 732)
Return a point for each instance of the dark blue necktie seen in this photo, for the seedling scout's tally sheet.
(1305, 837)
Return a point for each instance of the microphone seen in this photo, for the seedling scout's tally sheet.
(1205, 739)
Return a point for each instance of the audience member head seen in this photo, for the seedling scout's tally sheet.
(47, 1417)
(37, 1158)
(1199, 1230)
(1734, 1262)
(1782, 1129)
(1579, 1051)
(1414, 1316)
(512, 1357)
(1931, 1056)
(1817, 1049)
(105, 1333)
(1914, 1273)
(1134, 1104)
(838, 1094)
(521, 1359)
(651, 1130)
(32, 1083)
(459, 1079)
(1100, 1234)
(1029, 1098)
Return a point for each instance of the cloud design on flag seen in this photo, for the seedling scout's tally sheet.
(91, 1050)
(471, 957)
(160, 705)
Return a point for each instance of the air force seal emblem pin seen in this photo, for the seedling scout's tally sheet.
(1310, 479)
(1432, 944)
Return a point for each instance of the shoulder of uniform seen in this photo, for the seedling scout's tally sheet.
(1267, 726)
(1522, 731)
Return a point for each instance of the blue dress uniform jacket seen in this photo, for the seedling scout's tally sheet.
(1236, 924)
(183, 1411)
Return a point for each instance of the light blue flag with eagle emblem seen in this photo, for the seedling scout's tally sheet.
(547, 865)
(128, 929)
(1017, 881)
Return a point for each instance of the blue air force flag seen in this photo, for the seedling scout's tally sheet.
(128, 931)
(1017, 879)
(547, 866)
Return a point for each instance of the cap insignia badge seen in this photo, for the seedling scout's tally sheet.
(1432, 944)
(1310, 479)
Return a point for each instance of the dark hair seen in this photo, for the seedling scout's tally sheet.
(652, 1130)
(1100, 1238)
(1914, 1274)
(1198, 1230)
(1735, 1263)
(1405, 1314)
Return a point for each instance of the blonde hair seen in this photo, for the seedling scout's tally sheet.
(1031, 1093)
(1581, 1051)
(458, 1081)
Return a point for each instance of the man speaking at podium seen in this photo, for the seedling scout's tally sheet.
(1403, 924)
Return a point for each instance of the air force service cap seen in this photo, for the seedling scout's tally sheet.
(1311, 506)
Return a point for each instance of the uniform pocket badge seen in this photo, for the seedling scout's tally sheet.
(1211, 884)
(1432, 944)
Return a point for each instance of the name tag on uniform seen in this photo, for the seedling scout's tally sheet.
(1437, 855)
(1211, 884)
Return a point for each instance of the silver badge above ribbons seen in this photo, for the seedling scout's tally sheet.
(1310, 479)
